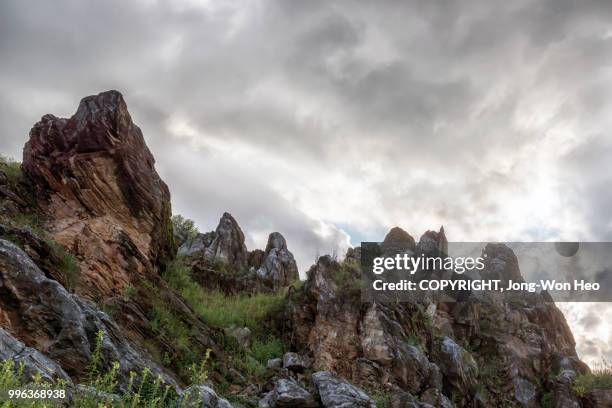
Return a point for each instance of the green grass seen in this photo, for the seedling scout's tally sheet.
(129, 291)
(264, 350)
(598, 379)
(68, 265)
(30, 221)
(11, 168)
(547, 400)
(144, 390)
(218, 309)
(171, 329)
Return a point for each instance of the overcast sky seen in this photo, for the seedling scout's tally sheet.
(331, 121)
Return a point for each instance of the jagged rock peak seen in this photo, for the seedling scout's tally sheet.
(228, 245)
(278, 267)
(398, 240)
(97, 184)
(276, 240)
(433, 243)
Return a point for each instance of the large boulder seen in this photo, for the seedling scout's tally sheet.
(228, 245)
(45, 316)
(338, 393)
(278, 267)
(288, 393)
(201, 396)
(97, 185)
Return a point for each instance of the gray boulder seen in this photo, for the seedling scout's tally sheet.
(279, 267)
(266, 401)
(275, 363)
(197, 245)
(33, 361)
(201, 396)
(338, 393)
(563, 395)
(242, 335)
(294, 362)
(288, 394)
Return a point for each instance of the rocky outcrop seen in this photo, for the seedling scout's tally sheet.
(278, 268)
(495, 350)
(32, 360)
(96, 182)
(228, 244)
(41, 313)
(197, 245)
(398, 241)
(337, 393)
(220, 261)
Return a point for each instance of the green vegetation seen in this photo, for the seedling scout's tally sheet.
(218, 309)
(598, 379)
(184, 228)
(547, 400)
(12, 378)
(348, 277)
(242, 365)
(68, 266)
(169, 328)
(267, 349)
(11, 168)
(30, 221)
(129, 291)
(144, 390)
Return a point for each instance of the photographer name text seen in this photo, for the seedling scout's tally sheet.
(484, 285)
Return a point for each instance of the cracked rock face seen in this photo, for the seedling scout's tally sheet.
(420, 351)
(457, 364)
(63, 326)
(97, 184)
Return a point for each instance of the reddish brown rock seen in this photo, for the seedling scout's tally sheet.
(97, 183)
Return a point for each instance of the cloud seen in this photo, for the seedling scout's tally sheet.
(487, 117)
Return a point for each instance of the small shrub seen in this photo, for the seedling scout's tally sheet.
(184, 228)
(11, 168)
(129, 291)
(547, 400)
(348, 277)
(381, 400)
(598, 379)
(31, 222)
(267, 349)
(199, 372)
